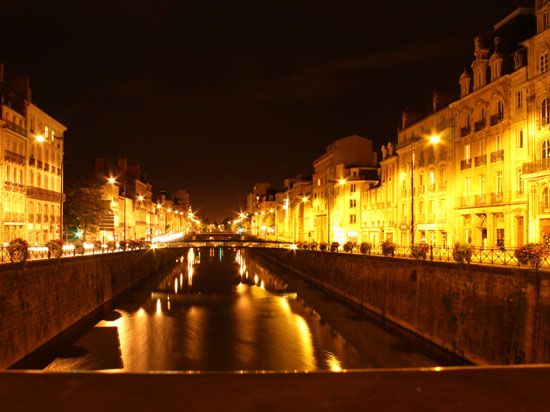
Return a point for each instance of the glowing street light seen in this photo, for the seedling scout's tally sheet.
(305, 199)
(141, 198)
(111, 180)
(434, 139)
(40, 138)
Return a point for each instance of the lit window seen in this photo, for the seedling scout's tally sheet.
(519, 100)
(546, 149)
(543, 63)
(545, 111)
(546, 198)
(352, 219)
(499, 181)
(520, 139)
(519, 174)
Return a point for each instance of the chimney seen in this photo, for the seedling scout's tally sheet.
(99, 164)
(134, 170)
(409, 117)
(441, 99)
(122, 164)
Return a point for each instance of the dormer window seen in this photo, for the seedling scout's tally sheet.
(496, 66)
(465, 82)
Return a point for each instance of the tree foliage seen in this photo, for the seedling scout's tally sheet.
(84, 206)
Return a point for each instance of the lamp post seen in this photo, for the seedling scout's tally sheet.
(432, 140)
(341, 182)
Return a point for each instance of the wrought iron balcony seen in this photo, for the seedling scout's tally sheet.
(465, 164)
(496, 119)
(16, 128)
(43, 194)
(465, 131)
(497, 156)
(480, 160)
(14, 157)
(480, 125)
(536, 166)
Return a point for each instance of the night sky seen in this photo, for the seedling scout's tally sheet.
(213, 96)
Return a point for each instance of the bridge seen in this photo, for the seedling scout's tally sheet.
(220, 239)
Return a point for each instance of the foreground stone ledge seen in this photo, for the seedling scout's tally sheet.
(437, 389)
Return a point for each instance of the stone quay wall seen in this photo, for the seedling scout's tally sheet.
(485, 314)
(41, 299)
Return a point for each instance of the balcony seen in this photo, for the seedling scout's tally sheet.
(487, 199)
(14, 187)
(44, 194)
(14, 157)
(536, 166)
(17, 129)
(496, 119)
(479, 125)
(497, 156)
(465, 131)
(465, 164)
(13, 217)
(480, 160)
(481, 200)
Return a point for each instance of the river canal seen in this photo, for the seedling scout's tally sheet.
(230, 310)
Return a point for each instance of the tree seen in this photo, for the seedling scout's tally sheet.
(84, 206)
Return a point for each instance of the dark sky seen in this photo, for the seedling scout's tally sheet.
(213, 96)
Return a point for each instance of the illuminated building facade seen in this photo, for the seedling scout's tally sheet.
(476, 170)
(32, 169)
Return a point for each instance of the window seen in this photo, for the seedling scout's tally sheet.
(352, 203)
(443, 176)
(466, 186)
(520, 139)
(467, 151)
(519, 99)
(499, 181)
(432, 179)
(545, 111)
(546, 149)
(481, 184)
(546, 198)
(352, 219)
(353, 188)
(481, 147)
(500, 109)
(499, 143)
(519, 176)
(543, 63)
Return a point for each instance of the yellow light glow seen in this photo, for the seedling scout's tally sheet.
(435, 139)
(159, 206)
(305, 199)
(40, 138)
(159, 307)
(141, 198)
(111, 180)
(342, 182)
(334, 364)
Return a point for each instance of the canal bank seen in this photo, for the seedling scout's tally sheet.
(487, 315)
(41, 299)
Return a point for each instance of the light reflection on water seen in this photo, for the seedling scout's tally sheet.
(231, 314)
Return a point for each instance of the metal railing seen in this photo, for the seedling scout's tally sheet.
(480, 160)
(536, 166)
(497, 256)
(42, 252)
(497, 156)
(465, 164)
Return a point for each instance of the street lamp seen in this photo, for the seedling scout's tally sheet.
(432, 140)
(112, 181)
(340, 182)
